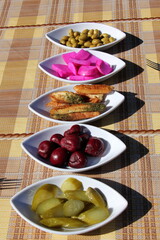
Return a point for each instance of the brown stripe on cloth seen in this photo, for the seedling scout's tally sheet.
(4, 12)
(133, 8)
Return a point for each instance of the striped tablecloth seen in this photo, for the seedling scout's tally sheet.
(136, 173)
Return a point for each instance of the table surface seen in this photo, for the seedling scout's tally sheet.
(135, 174)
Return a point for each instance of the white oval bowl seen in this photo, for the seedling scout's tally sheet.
(38, 106)
(21, 202)
(116, 63)
(113, 147)
(55, 35)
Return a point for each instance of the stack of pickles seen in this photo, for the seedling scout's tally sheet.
(69, 206)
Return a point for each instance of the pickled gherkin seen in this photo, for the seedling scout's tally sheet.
(77, 194)
(73, 207)
(95, 197)
(71, 184)
(45, 192)
(94, 215)
(54, 212)
(63, 222)
(47, 204)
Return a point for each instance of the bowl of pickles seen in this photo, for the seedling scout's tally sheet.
(86, 35)
(68, 204)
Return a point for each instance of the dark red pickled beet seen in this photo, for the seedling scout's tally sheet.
(77, 160)
(56, 138)
(94, 147)
(59, 157)
(75, 129)
(71, 142)
(45, 148)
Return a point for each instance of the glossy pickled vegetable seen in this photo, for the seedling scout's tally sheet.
(94, 215)
(47, 204)
(45, 192)
(71, 184)
(54, 212)
(95, 197)
(77, 194)
(73, 207)
(63, 222)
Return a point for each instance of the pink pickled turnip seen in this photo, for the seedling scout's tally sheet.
(79, 78)
(79, 62)
(67, 56)
(62, 70)
(82, 55)
(93, 59)
(88, 71)
(73, 68)
(103, 67)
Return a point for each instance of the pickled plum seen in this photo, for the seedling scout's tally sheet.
(45, 148)
(56, 138)
(59, 156)
(94, 147)
(71, 142)
(75, 129)
(77, 160)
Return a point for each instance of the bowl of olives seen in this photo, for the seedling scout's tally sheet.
(86, 35)
(73, 148)
(68, 204)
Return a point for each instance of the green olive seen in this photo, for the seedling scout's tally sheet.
(63, 42)
(83, 37)
(76, 34)
(111, 39)
(96, 41)
(68, 44)
(70, 32)
(97, 32)
(75, 45)
(65, 38)
(99, 44)
(77, 37)
(104, 35)
(87, 44)
(92, 45)
(81, 42)
(90, 32)
(73, 40)
(105, 40)
(85, 31)
(95, 36)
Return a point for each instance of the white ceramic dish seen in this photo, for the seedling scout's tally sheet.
(116, 63)
(38, 106)
(21, 203)
(55, 35)
(113, 146)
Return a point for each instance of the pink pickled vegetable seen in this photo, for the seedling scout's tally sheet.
(88, 70)
(93, 59)
(80, 62)
(103, 67)
(62, 70)
(79, 78)
(67, 56)
(82, 55)
(73, 68)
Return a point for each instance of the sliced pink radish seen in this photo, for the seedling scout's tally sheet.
(88, 70)
(73, 68)
(103, 67)
(67, 56)
(62, 70)
(82, 55)
(79, 78)
(93, 59)
(79, 62)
